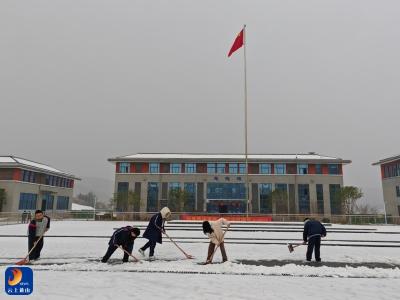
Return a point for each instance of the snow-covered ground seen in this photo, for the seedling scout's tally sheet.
(69, 267)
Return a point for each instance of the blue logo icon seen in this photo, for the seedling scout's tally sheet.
(18, 281)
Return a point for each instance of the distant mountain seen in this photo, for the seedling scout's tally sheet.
(103, 188)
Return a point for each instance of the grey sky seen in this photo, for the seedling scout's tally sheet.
(82, 81)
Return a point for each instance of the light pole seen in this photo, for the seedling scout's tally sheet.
(94, 208)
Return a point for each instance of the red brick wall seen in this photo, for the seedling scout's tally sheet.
(253, 168)
(291, 168)
(164, 168)
(17, 174)
(325, 170)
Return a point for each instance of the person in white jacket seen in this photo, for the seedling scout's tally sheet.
(214, 231)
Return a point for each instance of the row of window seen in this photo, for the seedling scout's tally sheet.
(233, 168)
(229, 192)
(30, 176)
(392, 170)
(28, 201)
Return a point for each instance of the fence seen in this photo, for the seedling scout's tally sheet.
(107, 215)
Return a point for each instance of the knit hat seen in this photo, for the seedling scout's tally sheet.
(165, 213)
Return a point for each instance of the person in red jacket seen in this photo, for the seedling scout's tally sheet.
(36, 229)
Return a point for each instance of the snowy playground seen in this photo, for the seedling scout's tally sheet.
(358, 262)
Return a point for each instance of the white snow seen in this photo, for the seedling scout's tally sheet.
(64, 271)
(189, 156)
(76, 206)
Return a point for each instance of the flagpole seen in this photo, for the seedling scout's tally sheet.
(245, 123)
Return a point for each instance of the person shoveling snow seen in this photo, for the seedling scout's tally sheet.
(123, 238)
(154, 230)
(214, 231)
(312, 233)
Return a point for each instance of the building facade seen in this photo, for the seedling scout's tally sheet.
(29, 185)
(390, 174)
(216, 183)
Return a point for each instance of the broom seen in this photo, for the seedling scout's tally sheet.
(26, 260)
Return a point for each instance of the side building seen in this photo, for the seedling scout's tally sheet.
(27, 185)
(216, 183)
(390, 174)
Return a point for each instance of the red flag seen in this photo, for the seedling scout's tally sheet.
(238, 43)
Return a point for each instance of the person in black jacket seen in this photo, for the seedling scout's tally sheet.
(313, 230)
(125, 237)
(36, 229)
(154, 230)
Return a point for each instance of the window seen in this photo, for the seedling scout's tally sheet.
(233, 169)
(190, 189)
(304, 198)
(190, 168)
(333, 169)
(398, 191)
(280, 169)
(154, 168)
(152, 196)
(220, 168)
(265, 190)
(176, 168)
(27, 201)
(47, 201)
(28, 176)
(124, 167)
(336, 207)
(211, 169)
(320, 198)
(62, 203)
(302, 169)
(122, 187)
(265, 168)
(226, 191)
(242, 168)
(174, 186)
(318, 169)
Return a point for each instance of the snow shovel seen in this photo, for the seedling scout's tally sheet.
(188, 256)
(122, 248)
(292, 246)
(216, 248)
(26, 260)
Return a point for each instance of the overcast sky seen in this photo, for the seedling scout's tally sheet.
(82, 81)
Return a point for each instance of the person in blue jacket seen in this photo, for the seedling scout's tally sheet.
(313, 231)
(125, 237)
(154, 231)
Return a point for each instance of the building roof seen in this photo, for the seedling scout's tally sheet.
(18, 162)
(387, 160)
(312, 157)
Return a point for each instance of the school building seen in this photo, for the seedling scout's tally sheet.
(216, 183)
(390, 174)
(27, 185)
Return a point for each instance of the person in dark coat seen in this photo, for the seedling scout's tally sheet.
(36, 229)
(125, 237)
(154, 231)
(313, 231)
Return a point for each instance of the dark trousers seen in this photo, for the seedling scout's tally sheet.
(35, 254)
(314, 242)
(111, 249)
(152, 246)
(211, 248)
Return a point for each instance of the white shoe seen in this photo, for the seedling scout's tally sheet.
(141, 251)
(152, 258)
